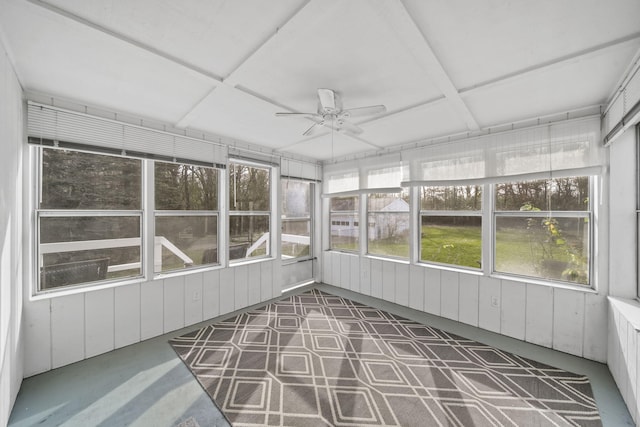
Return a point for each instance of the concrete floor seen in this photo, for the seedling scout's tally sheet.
(146, 384)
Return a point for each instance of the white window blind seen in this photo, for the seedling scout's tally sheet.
(379, 174)
(554, 150)
(56, 127)
(290, 168)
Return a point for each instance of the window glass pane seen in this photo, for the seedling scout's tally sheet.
(295, 238)
(185, 187)
(455, 240)
(82, 181)
(344, 224)
(539, 246)
(296, 200)
(249, 236)
(185, 241)
(248, 188)
(388, 224)
(558, 194)
(87, 249)
(467, 197)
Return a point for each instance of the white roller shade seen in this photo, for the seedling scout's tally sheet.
(290, 168)
(52, 126)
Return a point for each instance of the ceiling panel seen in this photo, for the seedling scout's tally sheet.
(329, 146)
(580, 83)
(481, 40)
(215, 35)
(59, 57)
(428, 121)
(235, 114)
(342, 45)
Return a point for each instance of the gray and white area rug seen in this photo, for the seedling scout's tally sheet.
(320, 360)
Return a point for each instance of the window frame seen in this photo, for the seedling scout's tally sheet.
(454, 213)
(270, 247)
(310, 219)
(588, 214)
(40, 213)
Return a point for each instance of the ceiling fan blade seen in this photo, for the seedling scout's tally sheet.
(314, 127)
(327, 98)
(364, 111)
(346, 126)
(305, 115)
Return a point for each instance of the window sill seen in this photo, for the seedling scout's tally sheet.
(628, 308)
(389, 259)
(450, 268)
(82, 289)
(541, 282)
(238, 263)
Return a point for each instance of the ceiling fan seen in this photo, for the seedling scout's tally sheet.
(331, 114)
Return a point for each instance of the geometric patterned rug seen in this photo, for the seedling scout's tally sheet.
(317, 359)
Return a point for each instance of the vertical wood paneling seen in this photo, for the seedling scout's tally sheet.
(365, 276)
(539, 315)
(173, 303)
(210, 294)
(227, 293)
(336, 266)
(449, 294)
(345, 271)
(568, 321)
(127, 315)
(636, 409)
(193, 299)
(468, 308)
(489, 315)
(416, 287)
(354, 281)
(632, 362)
(67, 330)
(513, 309)
(595, 327)
(37, 337)
(623, 384)
(254, 283)
(376, 278)
(389, 281)
(327, 267)
(99, 322)
(266, 281)
(276, 279)
(151, 309)
(432, 291)
(241, 287)
(402, 284)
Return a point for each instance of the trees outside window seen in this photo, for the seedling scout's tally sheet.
(451, 225)
(345, 228)
(296, 219)
(249, 210)
(388, 224)
(89, 218)
(543, 229)
(186, 216)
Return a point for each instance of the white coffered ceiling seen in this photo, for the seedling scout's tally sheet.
(225, 67)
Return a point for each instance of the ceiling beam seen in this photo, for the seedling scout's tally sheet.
(396, 15)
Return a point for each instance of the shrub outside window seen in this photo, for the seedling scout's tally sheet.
(451, 225)
(89, 218)
(296, 219)
(543, 229)
(344, 228)
(186, 216)
(388, 224)
(249, 211)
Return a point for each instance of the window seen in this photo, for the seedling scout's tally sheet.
(296, 219)
(249, 210)
(451, 225)
(89, 218)
(186, 216)
(344, 233)
(543, 229)
(388, 224)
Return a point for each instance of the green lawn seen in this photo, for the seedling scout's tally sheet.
(457, 245)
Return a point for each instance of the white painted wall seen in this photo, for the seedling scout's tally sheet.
(623, 353)
(66, 329)
(569, 320)
(11, 217)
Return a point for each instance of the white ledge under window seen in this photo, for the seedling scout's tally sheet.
(629, 308)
